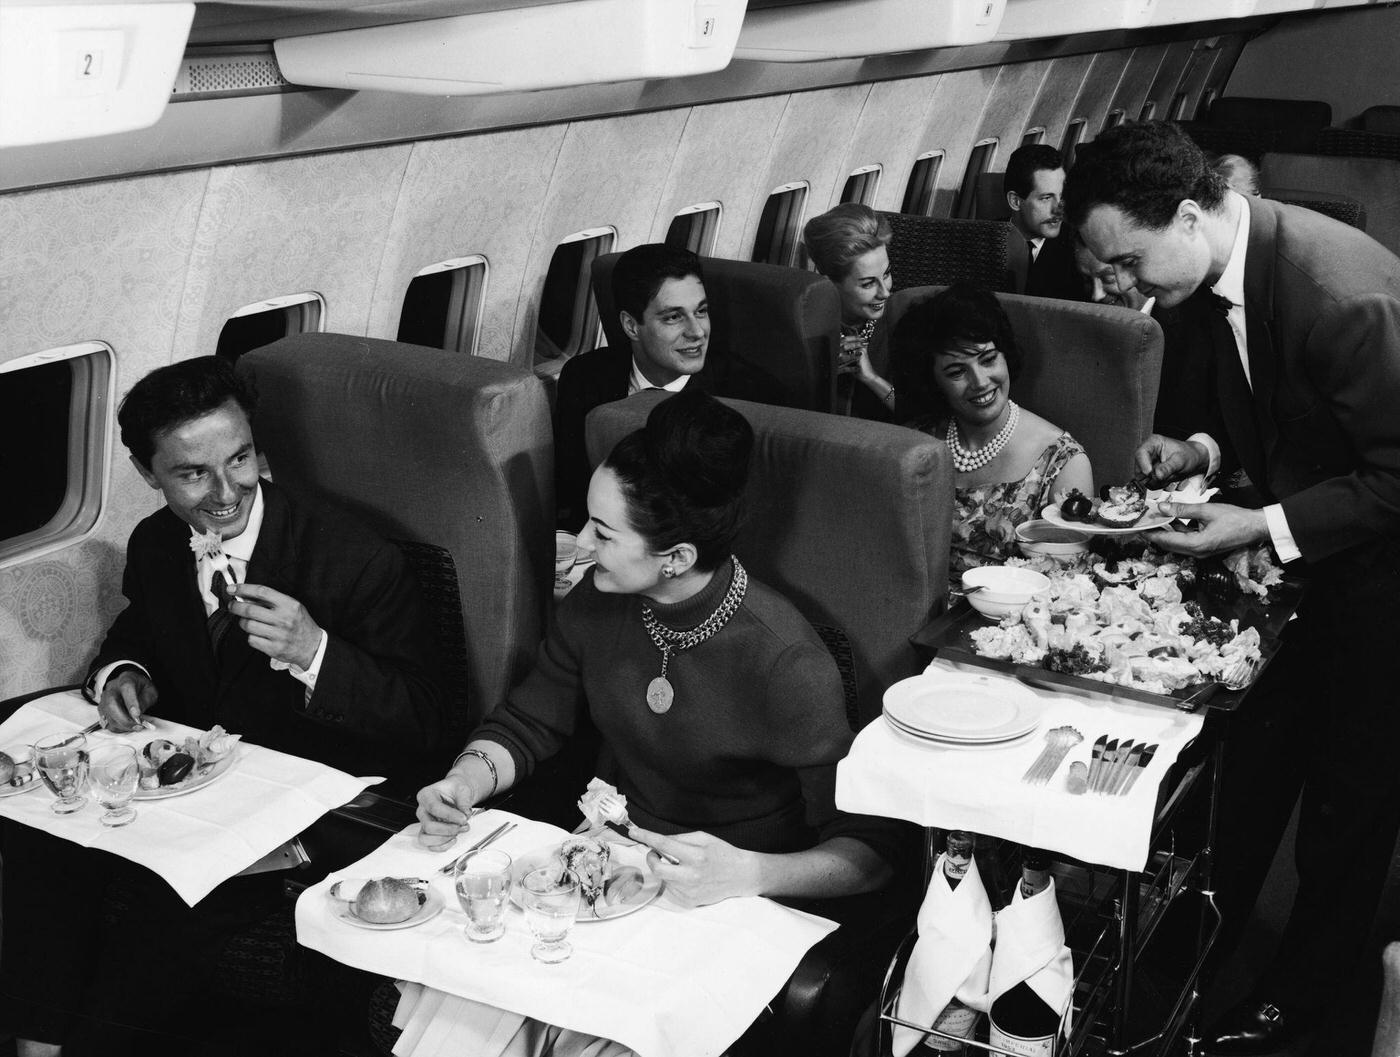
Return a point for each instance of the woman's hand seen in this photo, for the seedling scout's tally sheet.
(443, 810)
(854, 356)
(710, 870)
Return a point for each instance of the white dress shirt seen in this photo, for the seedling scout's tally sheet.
(637, 381)
(1036, 244)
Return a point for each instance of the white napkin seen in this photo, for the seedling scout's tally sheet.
(664, 982)
(1031, 947)
(197, 841)
(952, 957)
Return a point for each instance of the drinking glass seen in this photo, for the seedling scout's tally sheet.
(62, 762)
(565, 554)
(551, 904)
(114, 773)
(483, 886)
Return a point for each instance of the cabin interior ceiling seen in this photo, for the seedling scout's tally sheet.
(153, 264)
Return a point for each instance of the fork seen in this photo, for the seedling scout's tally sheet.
(1240, 674)
(499, 831)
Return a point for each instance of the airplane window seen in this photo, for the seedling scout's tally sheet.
(778, 227)
(923, 181)
(442, 305)
(1074, 132)
(264, 322)
(1033, 136)
(977, 163)
(1148, 109)
(696, 228)
(568, 314)
(1114, 119)
(1203, 107)
(54, 407)
(862, 184)
(1178, 110)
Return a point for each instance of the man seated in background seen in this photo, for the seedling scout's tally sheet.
(1035, 180)
(296, 628)
(660, 296)
(1239, 172)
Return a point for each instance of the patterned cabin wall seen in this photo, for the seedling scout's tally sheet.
(1098, 89)
(153, 265)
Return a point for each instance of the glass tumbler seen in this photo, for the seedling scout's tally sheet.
(114, 774)
(62, 762)
(565, 555)
(483, 887)
(551, 904)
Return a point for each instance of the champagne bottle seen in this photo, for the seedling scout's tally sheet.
(956, 1019)
(1022, 1022)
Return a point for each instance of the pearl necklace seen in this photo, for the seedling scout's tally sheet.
(660, 693)
(964, 459)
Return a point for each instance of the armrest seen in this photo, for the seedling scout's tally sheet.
(11, 705)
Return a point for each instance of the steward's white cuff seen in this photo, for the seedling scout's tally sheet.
(1212, 448)
(1284, 544)
(100, 677)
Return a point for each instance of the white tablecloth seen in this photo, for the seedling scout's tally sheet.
(664, 981)
(895, 775)
(196, 841)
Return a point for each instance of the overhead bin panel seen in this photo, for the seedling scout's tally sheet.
(70, 71)
(843, 29)
(1176, 12)
(554, 46)
(1032, 19)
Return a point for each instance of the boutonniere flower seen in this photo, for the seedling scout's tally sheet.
(207, 544)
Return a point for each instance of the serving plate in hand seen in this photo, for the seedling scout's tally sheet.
(961, 708)
(1150, 520)
(431, 908)
(652, 886)
(216, 770)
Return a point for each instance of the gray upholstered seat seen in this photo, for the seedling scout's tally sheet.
(1374, 182)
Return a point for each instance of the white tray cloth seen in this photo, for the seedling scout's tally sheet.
(195, 842)
(664, 981)
(888, 773)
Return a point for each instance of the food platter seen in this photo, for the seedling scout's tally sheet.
(652, 886)
(960, 708)
(1146, 523)
(199, 780)
(431, 908)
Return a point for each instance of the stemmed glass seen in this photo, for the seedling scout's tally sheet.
(565, 555)
(551, 904)
(62, 762)
(483, 885)
(114, 773)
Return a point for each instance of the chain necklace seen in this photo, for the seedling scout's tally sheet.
(965, 460)
(862, 333)
(660, 693)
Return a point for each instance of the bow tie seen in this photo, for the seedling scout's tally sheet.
(1219, 303)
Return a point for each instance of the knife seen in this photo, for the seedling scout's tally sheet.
(1110, 755)
(618, 828)
(1097, 759)
(1129, 764)
(1143, 761)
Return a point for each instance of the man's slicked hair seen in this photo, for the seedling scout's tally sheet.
(1025, 162)
(639, 273)
(1146, 170)
(175, 394)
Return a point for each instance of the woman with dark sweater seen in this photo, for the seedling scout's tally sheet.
(721, 713)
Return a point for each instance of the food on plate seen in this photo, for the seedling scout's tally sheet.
(387, 901)
(175, 769)
(586, 861)
(1218, 583)
(164, 763)
(7, 767)
(624, 884)
(601, 803)
(1122, 506)
(1077, 506)
(158, 751)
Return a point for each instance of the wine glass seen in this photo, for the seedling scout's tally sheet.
(551, 904)
(483, 885)
(114, 773)
(565, 555)
(62, 762)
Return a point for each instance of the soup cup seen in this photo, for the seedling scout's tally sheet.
(1002, 589)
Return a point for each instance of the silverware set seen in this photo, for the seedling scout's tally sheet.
(1058, 742)
(1115, 765)
(499, 831)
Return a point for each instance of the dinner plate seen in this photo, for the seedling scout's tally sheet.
(959, 707)
(189, 785)
(431, 908)
(960, 746)
(652, 887)
(1150, 520)
(968, 742)
(15, 790)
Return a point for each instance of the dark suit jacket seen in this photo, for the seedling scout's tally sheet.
(1053, 272)
(376, 705)
(588, 381)
(1322, 308)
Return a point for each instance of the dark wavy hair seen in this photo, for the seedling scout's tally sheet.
(683, 475)
(639, 273)
(837, 237)
(175, 394)
(1146, 170)
(959, 316)
(1025, 162)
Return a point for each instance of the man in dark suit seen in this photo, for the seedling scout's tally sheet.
(295, 628)
(1035, 181)
(661, 303)
(1306, 344)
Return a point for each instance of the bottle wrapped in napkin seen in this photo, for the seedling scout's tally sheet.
(1032, 970)
(945, 982)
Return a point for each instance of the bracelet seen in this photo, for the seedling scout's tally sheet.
(495, 779)
(889, 395)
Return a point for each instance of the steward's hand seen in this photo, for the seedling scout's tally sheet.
(126, 698)
(1221, 528)
(710, 870)
(1166, 459)
(443, 810)
(277, 624)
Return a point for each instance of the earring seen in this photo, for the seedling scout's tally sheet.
(668, 572)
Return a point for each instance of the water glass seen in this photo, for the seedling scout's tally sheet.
(114, 774)
(551, 904)
(62, 762)
(565, 555)
(483, 887)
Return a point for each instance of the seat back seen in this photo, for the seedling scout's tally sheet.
(848, 519)
(1374, 182)
(1384, 119)
(1296, 121)
(450, 456)
(774, 331)
(1091, 369)
(1359, 143)
(935, 251)
(1338, 207)
(990, 201)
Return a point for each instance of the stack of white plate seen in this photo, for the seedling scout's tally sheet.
(955, 710)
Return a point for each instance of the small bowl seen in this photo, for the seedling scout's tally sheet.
(1005, 588)
(1046, 539)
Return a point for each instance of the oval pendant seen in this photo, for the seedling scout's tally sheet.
(660, 695)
